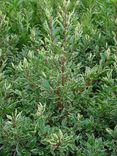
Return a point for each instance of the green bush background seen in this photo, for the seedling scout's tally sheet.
(58, 78)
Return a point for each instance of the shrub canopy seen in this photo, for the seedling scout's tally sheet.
(58, 78)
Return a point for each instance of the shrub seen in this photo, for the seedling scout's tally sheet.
(58, 83)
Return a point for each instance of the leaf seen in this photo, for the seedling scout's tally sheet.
(45, 84)
(109, 131)
(9, 117)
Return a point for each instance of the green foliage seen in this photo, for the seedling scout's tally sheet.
(58, 78)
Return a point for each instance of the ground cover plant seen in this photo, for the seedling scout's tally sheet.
(58, 78)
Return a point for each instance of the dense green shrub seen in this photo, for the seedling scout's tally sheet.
(58, 78)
